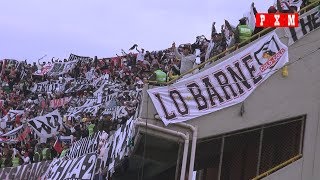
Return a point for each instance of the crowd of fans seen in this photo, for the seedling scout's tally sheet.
(130, 71)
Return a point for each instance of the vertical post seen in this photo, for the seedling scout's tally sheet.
(301, 136)
(260, 149)
(221, 157)
(178, 162)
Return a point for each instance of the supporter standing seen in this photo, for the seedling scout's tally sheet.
(243, 32)
(187, 60)
(159, 74)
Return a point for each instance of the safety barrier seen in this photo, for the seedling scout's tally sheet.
(233, 48)
(276, 168)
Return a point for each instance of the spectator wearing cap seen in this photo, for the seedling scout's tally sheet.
(186, 58)
(243, 32)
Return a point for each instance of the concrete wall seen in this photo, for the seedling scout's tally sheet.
(290, 172)
(276, 99)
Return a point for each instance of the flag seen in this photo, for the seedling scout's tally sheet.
(213, 29)
(251, 18)
(24, 134)
(3, 67)
(296, 3)
(228, 32)
(133, 47)
(58, 145)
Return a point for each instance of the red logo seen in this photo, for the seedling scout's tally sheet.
(277, 20)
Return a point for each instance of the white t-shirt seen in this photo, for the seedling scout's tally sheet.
(26, 160)
(140, 56)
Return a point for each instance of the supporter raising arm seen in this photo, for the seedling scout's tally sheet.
(187, 59)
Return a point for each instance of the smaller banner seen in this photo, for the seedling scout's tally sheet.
(74, 57)
(43, 87)
(43, 70)
(308, 22)
(61, 68)
(55, 103)
(48, 125)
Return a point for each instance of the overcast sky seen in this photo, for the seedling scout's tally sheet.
(34, 28)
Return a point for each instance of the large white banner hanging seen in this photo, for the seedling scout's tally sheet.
(48, 125)
(225, 84)
(78, 168)
(307, 23)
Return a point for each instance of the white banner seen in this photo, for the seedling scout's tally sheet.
(74, 57)
(79, 168)
(225, 84)
(54, 86)
(251, 19)
(48, 125)
(29, 171)
(12, 115)
(84, 146)
(44, 70)
(307, 23)
(78, 85)
(117, 145)
(75, 111)
(61, 68)
(13, 131)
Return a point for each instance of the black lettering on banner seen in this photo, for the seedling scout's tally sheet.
(53, 168)
(43, 126)
(82, 168)
(168, 116)
(307, 23)
(314, 18)
(236, 77)
(251, 69)
(62, 169)
(173, 95)
(55, 121)
(38, 87)
(89, 164)
(212, 92)
(197, 96)
(224, 83)
(43, 87)
(293, 34)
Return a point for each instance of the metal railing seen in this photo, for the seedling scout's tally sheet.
(233, 48)
(276, 168)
